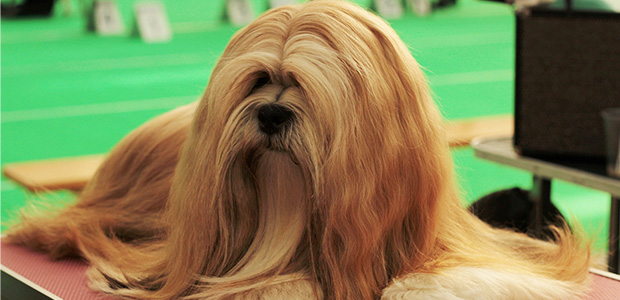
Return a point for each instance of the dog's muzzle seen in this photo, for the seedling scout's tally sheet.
(273, 118)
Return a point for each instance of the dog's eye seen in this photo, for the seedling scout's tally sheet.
(261, 81)
(294, 82)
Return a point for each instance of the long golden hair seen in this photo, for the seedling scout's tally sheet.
(358, 191)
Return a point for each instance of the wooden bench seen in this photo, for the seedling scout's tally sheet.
(74, 172)
(70, 173)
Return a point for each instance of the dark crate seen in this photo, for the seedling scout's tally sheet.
(567, 71)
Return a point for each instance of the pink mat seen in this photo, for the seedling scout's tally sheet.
(66, 279)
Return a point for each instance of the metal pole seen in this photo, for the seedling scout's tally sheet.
(541, 195)
(614, 228)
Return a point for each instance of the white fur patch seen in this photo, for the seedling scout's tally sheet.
(465, 283)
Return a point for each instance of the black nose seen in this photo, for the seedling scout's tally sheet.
(273, 118)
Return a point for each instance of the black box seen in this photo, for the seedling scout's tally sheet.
(567, 71)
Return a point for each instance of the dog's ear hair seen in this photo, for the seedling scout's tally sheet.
(388, 175)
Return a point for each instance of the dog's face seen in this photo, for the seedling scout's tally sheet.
(316, 135)
(329, 87)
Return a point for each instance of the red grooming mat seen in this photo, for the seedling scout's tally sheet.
(605, 286)
(30, 275)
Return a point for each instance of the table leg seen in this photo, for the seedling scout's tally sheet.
(614, 228)
(541, 195)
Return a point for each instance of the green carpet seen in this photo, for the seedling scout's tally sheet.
(67, 92)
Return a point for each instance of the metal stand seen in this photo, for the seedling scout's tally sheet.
(541, 195)
(594, 176)
(614, 228)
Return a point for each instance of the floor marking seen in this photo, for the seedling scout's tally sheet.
(106, 64)
(95, 109)
(454, 41)
(471, 77)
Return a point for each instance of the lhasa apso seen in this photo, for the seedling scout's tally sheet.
(315, 166)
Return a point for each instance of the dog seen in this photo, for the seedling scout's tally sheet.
(314, 166)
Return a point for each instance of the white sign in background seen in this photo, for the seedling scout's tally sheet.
(152, 22)
(107, 18)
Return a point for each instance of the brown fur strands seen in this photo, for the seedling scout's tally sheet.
(356, 193)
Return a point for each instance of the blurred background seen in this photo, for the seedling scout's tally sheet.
(67, 91)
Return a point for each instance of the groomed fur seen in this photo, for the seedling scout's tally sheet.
(356, 195)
